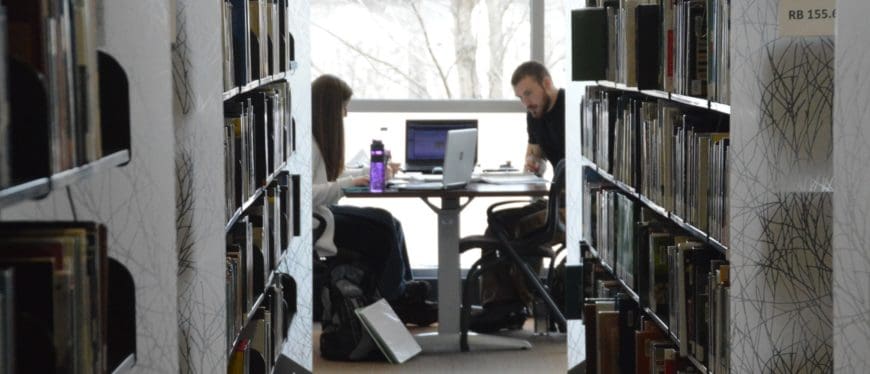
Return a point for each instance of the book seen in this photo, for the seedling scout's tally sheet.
(7, 320)
(589, 44)
(607, 326)
(227, 44)
(648, 47)
(241, 42)
(84, 259)
(628, 324)
(642, 339)
(5, 149)
(388, 332)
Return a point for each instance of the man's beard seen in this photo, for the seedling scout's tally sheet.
(544, 107)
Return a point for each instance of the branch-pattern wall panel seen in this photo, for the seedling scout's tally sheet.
(135, 201)
(197, 70)
(298, 263)
(852, 197)
(781, 196)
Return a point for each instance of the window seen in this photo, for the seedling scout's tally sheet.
(422, 50)
(437, 59)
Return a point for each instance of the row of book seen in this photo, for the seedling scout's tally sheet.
(675, 46)
(52, 82)
(675, 156)
(259, 346)
(256, 40)
(54, 299)
(257, 141)
(255, 246)
(682, 281)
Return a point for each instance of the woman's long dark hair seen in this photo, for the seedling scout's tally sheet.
(328, 97)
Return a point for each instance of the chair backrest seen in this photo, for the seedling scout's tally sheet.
(320, 228)
(556, 200)
(554, 224)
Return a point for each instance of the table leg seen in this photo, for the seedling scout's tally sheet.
(450, 293)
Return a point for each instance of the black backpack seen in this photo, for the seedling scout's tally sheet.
(344, 338)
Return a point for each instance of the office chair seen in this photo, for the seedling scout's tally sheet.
(502, 247)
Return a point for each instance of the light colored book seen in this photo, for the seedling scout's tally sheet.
(388, 332)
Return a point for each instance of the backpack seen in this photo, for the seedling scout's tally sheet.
(344, 338)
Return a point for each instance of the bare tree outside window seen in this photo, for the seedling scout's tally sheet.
(421, 49)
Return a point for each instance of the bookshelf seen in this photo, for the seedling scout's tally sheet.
(66, 305)
(262, 196)
(649, 181)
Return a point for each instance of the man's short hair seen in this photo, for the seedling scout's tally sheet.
(532, 69)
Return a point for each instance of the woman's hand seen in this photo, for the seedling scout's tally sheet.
(361, 181)
(392, 169)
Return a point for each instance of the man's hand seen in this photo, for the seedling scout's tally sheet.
(535, 162)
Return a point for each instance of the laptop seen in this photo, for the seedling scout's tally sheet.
(425, 141)
(459, 162)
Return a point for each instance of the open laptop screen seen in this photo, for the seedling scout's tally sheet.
(425, 141)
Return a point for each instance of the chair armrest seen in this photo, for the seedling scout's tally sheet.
(492, 208)
(478, 241)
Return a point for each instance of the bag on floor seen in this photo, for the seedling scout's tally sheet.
(343, 337)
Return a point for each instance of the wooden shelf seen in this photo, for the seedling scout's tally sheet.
(257, 83)
(645, 308)
(41, 187)
(658, 209)
(691, 101)
(253, 198)
(126, 366)
(657, 93)
(721, 108)
(75, 175)
(697, 364)
(34, 189)
(683, 99)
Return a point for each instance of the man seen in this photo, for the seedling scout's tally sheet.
(503, 291)
(545, 120)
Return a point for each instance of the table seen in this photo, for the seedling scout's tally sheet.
(449, 276)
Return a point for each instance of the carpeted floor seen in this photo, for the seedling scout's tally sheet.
(546, 356)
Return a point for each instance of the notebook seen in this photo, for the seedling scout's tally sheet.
(426, 140)
(458, 162)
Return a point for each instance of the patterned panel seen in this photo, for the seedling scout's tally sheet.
(573, 235)
(197, 72)
(132, 200)
(852, 198)
(298, 345)
(780, 202)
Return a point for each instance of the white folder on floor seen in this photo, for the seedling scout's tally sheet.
(388, 332)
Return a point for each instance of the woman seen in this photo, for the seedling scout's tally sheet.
(371, 234)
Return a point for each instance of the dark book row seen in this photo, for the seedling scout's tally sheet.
(260, 297)
(258, 139)
(678, 282)
(257, 346)
(257, 42)
(673, 46)
(674, 155)
(63, 104)
(65, 306)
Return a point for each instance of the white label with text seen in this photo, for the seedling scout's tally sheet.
(807, 17)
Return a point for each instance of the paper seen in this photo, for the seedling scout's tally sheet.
(512, 179)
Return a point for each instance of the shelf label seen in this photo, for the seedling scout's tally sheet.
(807, 17)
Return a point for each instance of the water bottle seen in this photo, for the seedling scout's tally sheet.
(376, 166)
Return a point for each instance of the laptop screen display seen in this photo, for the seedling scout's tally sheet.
(425, 140)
